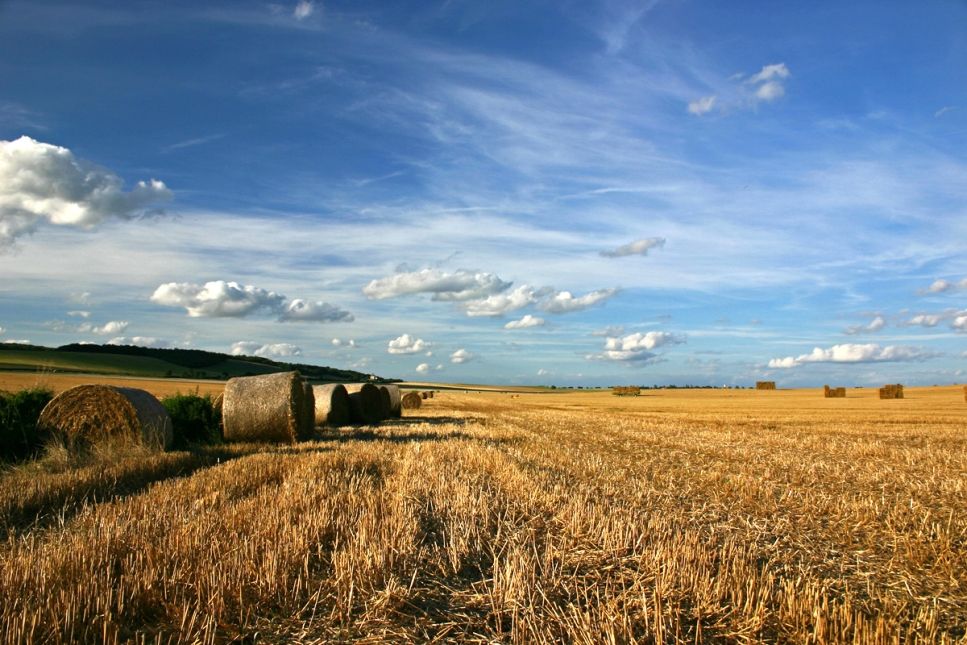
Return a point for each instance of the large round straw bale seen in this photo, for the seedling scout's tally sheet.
(395, 399)
(365, 403)
(385, 402)
(269, 407)
(88, 413)
(412, 401)
(308, 411)
(332, 405)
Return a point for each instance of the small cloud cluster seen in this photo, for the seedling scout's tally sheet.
(40, 182)
(338, 342)
(875, 325)
(480, 293)
(638, 247)
(765, 86)
(637, 347)
(525, 322)
(108, 328)
(854, 353)
(221, 299)
(945, 286)
(461, 356)
(303, 9)
(957, 318)
(271, 350)
(424, 368)
(407, 344)
(458, 285)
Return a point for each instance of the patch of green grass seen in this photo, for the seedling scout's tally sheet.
(195, 419)
(19, 411)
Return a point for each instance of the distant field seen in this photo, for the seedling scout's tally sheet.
(679, 515)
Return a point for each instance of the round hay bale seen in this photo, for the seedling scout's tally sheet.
(365, 403)
(269, 407)
(424, 395)
(395, 400)
(332, 405)
(385, 402)
(86, 414)
(430, 393)
(308, 411)
(412, 401)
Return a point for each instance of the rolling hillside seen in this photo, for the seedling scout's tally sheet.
(158, 363)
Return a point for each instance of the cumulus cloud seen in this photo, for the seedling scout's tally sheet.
(943, 286)
(140, 341)
(525, 322)
(112, 327)
(768, 82)
(407, 344)
(875, 325)
(542, 372)
(40, 182)
(854, 353)
(702, 105)
(271, 350)
(423, 368)
(638, 247)
(217, 299)
(563, 302)
(637, 347)
(303, 9)
(458, 285)
(502, 303)
(79, 314)
(17, 341)
(926, 320)
(221, 299)
(108, 328)
(338, 342)
(313, 311)
(960, 322)
(461, 356)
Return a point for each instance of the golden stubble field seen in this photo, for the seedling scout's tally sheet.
(698, 516)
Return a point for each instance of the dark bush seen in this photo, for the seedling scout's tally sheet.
(19, 412)
(195, 419)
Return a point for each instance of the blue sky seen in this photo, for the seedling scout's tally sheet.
(580, 193)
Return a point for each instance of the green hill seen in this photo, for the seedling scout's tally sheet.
(158, 363)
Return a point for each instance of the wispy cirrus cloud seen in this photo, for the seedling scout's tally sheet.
(638, 247)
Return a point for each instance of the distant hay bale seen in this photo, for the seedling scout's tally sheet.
(332, 406)
(269, 407)
(430, 393)
(965, 393)
(424, 395)
(395, 399)
(626, 390)
(365, 403)
(765, 385)
(308, 411)
(891, 391)
(412, 401)
(86, 414)
(834, 392)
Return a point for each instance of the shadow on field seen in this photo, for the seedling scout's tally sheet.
(367, 434)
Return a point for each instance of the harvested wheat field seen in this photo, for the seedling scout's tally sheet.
(676, 516)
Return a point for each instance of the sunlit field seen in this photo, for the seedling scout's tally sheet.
(698, 516)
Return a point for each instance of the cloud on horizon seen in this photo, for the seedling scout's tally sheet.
(270, 350)
(854, 353)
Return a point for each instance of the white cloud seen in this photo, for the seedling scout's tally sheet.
(502, 303)
(947, 108)
(40, 182)
(461, 356)
(878, 323)
(525, 322)
(770, 73)
(563, 302)
(926, 320)
(407, 344)
(638, 247)
(313, 311)
(449, 286)
(701, 106)
(637, 347)
(942, 286)
(770, 91)
(79, 314)
(303, 9)
(338, 342)
(112, 327)
(140, 341)
(542, 372)
(854, 353)
(272, 350)
(80, 298)
(20, 341)
(217, 299)
(423, 368)
(960, 322)
(2, 330)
